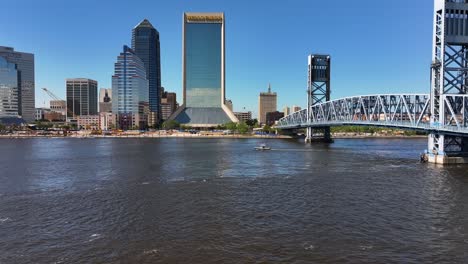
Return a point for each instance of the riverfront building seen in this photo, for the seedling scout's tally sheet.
(102, 121)
(59, 106)
(203, 72)
(243, 116)
(81, 97)
(168, 104)
(8, 89)
(272, 117)
(23, 95)
(145, 44)
(130, 91)
(266, 103)
(105, 100)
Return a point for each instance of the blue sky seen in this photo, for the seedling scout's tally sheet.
(376, 46)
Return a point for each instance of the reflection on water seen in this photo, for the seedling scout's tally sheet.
(218, 200)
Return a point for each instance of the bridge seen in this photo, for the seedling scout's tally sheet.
(403, 111)
(443, 113)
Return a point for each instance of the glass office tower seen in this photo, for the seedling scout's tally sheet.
(203, 72)
(130, 91)
(26, 92)
(145, 44)
(8, 89)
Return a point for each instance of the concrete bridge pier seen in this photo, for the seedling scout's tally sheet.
(322, 135)
(444, 149)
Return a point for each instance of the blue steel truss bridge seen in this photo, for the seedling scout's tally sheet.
(403, 111)
(443, 113)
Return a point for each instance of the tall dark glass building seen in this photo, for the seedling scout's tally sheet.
(25, 72)
(145, 44)
(203, 72)
(82, 97)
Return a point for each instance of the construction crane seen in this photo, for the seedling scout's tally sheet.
(52, 95)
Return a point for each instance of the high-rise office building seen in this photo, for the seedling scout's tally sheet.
(266, 104)
(203, 72)
(81, 97)
(145, 44)
(105, 100)
(130, 91)
(25, 72)
(8, 89)
(286, 110)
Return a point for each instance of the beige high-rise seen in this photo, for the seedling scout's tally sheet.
(286, 110)
(266, 103)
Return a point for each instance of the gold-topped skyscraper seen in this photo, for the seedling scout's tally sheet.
(203, 72)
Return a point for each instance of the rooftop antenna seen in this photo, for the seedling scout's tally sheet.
(269, 87)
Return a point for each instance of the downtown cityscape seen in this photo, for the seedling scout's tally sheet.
(234, 132)
(138, 102)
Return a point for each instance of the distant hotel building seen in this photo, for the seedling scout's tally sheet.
(203, 72)
(296, 109)
(286, 110)
(243, 116)
(130, 91)
(25, 86)
(145, 44)
(81, 97)
(266, 104)
(168, 104)
(105, 100)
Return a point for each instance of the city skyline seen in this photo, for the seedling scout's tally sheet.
(252, 57)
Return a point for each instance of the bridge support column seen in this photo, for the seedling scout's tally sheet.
(322, 135)
(449, 76)
(445, 149)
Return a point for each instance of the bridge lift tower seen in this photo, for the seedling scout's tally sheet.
(449, 76)
(318, 91)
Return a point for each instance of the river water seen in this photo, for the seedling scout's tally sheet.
(219, 201)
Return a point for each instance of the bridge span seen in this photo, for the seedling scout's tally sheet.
(403, 111)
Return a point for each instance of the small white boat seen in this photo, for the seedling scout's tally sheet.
(262, 147)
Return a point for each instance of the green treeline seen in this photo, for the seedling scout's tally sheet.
(372, 130)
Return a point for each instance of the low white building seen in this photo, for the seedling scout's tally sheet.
(107, 121)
